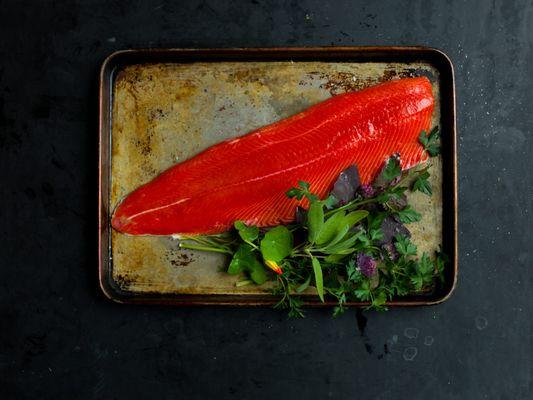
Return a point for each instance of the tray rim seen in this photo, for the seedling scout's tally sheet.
(372, 53)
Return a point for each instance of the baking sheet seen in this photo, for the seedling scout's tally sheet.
(163, 113)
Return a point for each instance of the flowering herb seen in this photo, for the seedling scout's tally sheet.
(366, 265)
(367, 191)
(352, 246)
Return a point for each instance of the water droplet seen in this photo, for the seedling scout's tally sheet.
(481, 323)
(410, 353)
(428, 340)
(411, 333)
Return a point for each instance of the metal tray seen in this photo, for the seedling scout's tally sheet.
(160, 106)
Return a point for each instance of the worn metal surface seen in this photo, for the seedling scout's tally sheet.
(163, 113)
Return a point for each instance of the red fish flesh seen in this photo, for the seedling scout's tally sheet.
(246, 178)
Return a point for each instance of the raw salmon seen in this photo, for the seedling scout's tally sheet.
(246, 178)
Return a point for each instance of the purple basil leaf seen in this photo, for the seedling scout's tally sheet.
(391, 227)
(346, 184)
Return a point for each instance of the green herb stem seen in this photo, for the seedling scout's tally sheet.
(409, 175)
(252, 245)
(350, 206)
(199, 239)
(205, 248)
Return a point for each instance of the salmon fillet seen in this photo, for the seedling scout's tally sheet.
(246, 178)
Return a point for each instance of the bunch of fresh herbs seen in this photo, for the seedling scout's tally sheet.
(352, 246)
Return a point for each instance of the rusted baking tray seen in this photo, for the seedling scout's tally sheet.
(158, 107)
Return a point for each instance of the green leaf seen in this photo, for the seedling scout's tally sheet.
(404, 246)
(441, 260)
(319, 283)
(304, 185)
(434, 138)
(434, 134)
(304, 285)
(330, 228)
(258, 273)
(348, 221)
(354, 217)
(363, 293)
(408, 215)
(433, 150)
(301, 191)
(422, 184)
(374, 281)
(431, 142)
(237, 264)
(244, 260)
(294, 192)
(247, 233)
(376, 234)
(335, 258)
(425, 266)
(418, 282)
(341, 233)
(345, 252)
(392, 169)
(352, 273)
(379, 300)
(311, 197)
(423, 138)
(364, 242)
(348, 242)
(341, 298)
(331, 202)
(315, 220)
(277, 244)
(338, 310)
(401, 289)
(375, 220)
(295, 307)
(424, 272)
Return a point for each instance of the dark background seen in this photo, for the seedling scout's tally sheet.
(59, 338)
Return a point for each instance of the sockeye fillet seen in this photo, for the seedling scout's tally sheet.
(246, 178)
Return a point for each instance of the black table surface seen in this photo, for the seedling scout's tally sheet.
(60, 338)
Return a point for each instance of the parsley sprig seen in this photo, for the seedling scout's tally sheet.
(431, 141)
